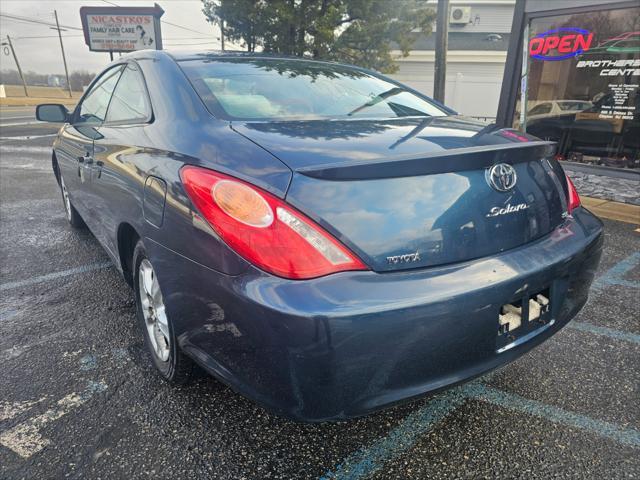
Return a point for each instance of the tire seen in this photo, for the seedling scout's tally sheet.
(72, 215)
(156, 327)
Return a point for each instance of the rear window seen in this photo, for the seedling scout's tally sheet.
(274, 89)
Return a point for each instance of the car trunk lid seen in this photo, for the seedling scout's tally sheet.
(415, 193)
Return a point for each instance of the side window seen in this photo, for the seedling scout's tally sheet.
(94, 106)
(129, 103)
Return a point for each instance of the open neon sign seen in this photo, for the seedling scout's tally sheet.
(560, 43)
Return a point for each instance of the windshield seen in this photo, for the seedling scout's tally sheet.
(276, 89)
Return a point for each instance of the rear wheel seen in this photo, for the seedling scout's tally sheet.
(73, 217)
(159, 336)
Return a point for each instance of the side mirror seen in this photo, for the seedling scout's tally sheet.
(52, 112)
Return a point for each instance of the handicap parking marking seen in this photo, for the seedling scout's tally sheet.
(615, 275)
(511, 401)
(119, 356)
(365, 462)
(605, 331)
(25, 438)
(55, 275)
(88, 362)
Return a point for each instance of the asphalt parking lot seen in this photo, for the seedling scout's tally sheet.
(79, 398)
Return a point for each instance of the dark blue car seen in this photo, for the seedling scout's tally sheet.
(324, 240)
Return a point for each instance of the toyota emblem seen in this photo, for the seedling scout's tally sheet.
(502, 177)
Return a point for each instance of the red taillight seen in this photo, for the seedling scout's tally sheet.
(265, 230)
(573, 201)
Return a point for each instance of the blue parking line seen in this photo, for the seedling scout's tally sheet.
(605, 331)
(55, 275)
(615, 275)
(8, 314)
(93, 387)
(88, 362)
(626, 436)
(363, 463)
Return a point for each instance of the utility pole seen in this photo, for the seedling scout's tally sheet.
(442, 41)
(222, 34)
(64, 59)
(15, 57)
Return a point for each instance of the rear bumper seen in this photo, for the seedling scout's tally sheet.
(351, 343)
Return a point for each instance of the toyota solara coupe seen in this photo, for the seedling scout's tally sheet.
(323, 239)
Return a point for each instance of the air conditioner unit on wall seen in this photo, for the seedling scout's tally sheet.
(460, 15)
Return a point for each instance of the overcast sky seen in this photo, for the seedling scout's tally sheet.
(43, 54)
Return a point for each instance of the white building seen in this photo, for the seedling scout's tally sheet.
(479, 32)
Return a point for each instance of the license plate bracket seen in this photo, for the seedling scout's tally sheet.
(523, 318)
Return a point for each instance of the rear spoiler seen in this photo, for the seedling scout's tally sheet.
(443, 161)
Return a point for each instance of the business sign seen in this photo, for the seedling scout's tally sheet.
(560, 43)
(121, 29)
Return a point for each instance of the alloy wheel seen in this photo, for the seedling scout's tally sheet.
(153, 310)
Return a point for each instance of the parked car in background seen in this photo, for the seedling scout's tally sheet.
(323, 239)
(556, 108)
(548, 118)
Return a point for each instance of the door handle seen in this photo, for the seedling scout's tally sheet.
(86, 159)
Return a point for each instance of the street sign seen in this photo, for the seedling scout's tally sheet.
(121, 29)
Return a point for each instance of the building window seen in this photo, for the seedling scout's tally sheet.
(583, 73)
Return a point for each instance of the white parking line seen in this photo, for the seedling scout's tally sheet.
(28, 137)
(52, 276)
(9, 410)
(20, 117)
(17, 124)
(25, 439)
(24, 149)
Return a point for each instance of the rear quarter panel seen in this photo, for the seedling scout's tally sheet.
(181, 132)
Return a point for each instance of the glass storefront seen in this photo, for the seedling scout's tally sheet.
(580, 85)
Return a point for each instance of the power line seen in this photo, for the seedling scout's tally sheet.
(163, 21)
(199, 43)
(40, 22)
(184, 28)
(187, 38)
(23, 19)
(79, 36)
(45, 36)
(19, 21)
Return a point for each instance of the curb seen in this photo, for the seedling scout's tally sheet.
(622, 212)
(33, 101)
(626, 173)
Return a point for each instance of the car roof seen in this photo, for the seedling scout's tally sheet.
(184, 55)
(181, 55)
